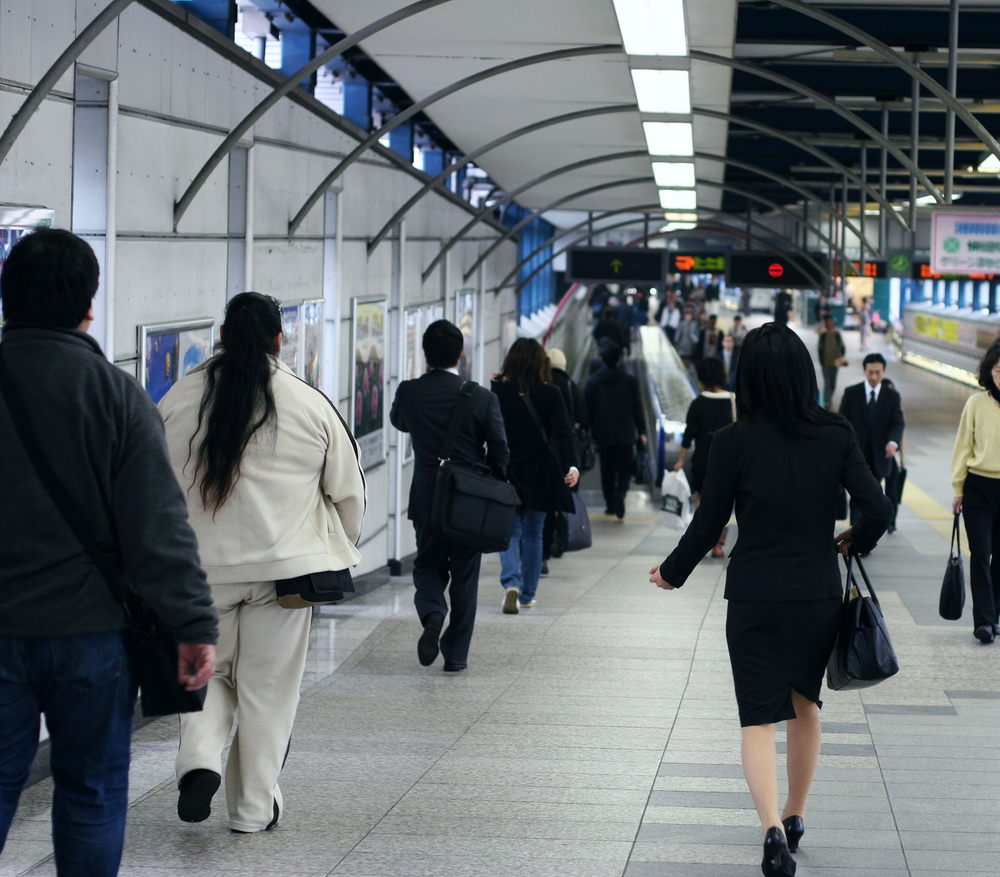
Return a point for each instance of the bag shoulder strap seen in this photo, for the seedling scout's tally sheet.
(854, 557)
(18, 412)
(464, 397)
(533, 411)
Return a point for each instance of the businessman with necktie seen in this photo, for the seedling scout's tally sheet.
(876, 413)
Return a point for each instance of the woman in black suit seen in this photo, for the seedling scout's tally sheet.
(543, 463)
(781, 464)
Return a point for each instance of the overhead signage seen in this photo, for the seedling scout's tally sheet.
(922, 271)
(758, 269)
(697, 263)
(616, 265)
(900, 264)
(871, 269)
(965, 241)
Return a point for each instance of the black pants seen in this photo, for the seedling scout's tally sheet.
(981, 511)
(616, 475)
(439, 560)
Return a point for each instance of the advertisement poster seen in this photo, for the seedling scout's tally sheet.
(170, 351)
(965, 241)
(465, 319)
(15, 222)
(368, 380)
(302, 339)
(290, 336)
(414, 365)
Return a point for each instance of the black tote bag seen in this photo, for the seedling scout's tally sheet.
(952, 600)
(863, 654)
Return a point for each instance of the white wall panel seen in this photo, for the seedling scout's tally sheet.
(288, 272)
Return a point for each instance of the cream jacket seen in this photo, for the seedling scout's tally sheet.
(977, 444)
(300, 499)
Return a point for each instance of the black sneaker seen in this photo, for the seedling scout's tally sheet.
(197, 788)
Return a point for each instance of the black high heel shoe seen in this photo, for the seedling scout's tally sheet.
(777, 862)
(794, 829)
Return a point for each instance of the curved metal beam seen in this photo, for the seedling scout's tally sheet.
(790, 184)
(493, 144)
(45, 85)
(812, 150)
(412, 110)
(902, 63)
(181, 206)
(832, 105)
(513, 230)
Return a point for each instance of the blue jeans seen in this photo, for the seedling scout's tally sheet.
(521, 563)
(83, 685)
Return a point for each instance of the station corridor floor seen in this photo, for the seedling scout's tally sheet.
(597, 735)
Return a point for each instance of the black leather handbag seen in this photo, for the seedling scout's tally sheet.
(151, 647)
(469, 505)
(314, 589)
(863, 654)
(952, 600)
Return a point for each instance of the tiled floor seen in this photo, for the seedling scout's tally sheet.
(597, 734)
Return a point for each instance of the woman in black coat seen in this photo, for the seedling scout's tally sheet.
(543, 463)
(782, 464)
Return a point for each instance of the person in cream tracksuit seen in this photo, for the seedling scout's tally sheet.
(275, 490)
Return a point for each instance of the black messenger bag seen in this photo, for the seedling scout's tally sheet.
(469, 505)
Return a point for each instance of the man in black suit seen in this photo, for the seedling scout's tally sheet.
(876, 413)
(730, 356)
(423, 408)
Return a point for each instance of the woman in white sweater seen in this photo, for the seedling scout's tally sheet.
(975, 476)
(275, 491)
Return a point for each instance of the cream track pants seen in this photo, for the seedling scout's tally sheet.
(260, 659)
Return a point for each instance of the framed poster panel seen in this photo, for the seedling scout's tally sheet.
(290, 334)
(417, 320)
(465, 319)
(168, 351)
(15, 222)
(302, 339)
(368, 409)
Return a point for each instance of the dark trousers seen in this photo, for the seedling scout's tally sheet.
(84, 687)
(855, 513)
(981, 511)
(616, 474)
(829, 385)
(438, 562)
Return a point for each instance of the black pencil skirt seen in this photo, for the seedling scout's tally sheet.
(775, 648)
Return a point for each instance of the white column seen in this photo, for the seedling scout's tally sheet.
(331, 295)
(397, 339)
(248, 255)
(111, 222)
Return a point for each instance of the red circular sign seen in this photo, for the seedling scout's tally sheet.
(775, 269)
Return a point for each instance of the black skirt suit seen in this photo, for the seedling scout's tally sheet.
(783, 583)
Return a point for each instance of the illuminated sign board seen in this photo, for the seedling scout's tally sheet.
(871, 269)
(616, 265)
(760, 269)
(922, 271)
(965, 242)
(697, 263)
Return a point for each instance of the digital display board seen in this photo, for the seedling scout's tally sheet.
(922, 271)
(871, 269)
(697, 263)
(616, 265)
(761, 269)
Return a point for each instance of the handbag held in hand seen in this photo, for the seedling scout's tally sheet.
(952, 600)
(863, 654)
(469, 505)
(151, 647)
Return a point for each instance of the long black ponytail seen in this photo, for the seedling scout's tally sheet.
(238, 400)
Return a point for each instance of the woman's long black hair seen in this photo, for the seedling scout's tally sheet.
(238, 399)
(526, 365)
(776, 376)
(990, 359)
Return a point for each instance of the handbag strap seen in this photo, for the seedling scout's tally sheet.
(956, 540)
(63, 502)
(464, 397)
(533, 411)
(852, 557)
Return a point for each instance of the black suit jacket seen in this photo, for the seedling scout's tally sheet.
(423, 408)
(614, 407)
(785, 491)
(538, 470)
(874, 432)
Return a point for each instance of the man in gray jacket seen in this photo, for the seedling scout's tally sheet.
(61, 645)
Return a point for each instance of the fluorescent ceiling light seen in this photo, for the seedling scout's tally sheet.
(678, 199)
(989, 165)
(652, 27)
(679, 226)
(675, 174)
(669, 138)
(680, 217)
(662, 91)
(930, 200)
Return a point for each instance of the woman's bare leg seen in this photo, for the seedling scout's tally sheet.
(760, 766)
(804, 738)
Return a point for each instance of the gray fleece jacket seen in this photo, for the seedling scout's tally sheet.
(104, 438)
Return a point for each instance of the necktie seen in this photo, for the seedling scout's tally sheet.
(871, 404)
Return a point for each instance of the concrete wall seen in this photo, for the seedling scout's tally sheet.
(179, 90)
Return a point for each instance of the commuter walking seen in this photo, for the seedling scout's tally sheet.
(617, 422)
(781, 463)
(609, 328)
(710, 340)
(739, 331)
(671, 316)
(876, 413)
(712, 409)
(975, 477)
(543, 464)
(275, 492)
(62, 653)
(730, 358)
(831, 358)
(782, 307)
(424, 407)
(686, 337)
(865, 322)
